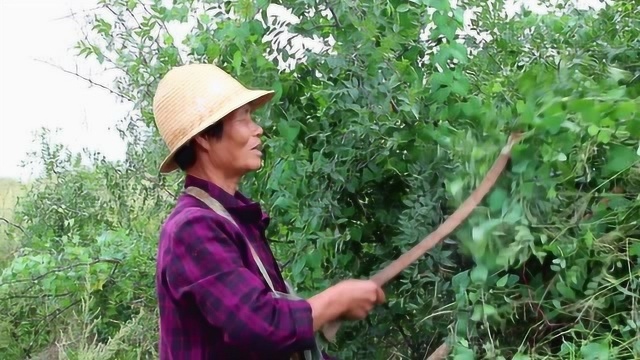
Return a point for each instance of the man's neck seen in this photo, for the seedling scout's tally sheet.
(211, 174)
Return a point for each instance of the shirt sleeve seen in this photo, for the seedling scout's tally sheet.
(206, 265)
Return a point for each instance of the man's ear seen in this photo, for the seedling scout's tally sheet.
(202, 142)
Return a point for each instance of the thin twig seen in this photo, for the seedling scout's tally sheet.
(85, 79)
(163, 25)
(73, 14)
(50, 317)
(403, 333)
(64, 268)
(333, 14)
(13, 224)
(35, 296)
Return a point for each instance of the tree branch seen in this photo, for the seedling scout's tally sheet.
(35, 296)
(13, 224)
(50, 317)
(441, 352)
(73, 14)
(86, 79)
(333, 13)
(162, 25)
(64, 268)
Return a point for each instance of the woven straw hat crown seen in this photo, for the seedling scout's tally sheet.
(190, 98)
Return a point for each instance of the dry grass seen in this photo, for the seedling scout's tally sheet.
(10, 190)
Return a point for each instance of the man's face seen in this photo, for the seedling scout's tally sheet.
(239, 150)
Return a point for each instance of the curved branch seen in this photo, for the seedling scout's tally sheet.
(13, 224)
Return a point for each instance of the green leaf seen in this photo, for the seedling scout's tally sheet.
(314, 259)
(460, 86)
(619, 158)
(604, 136)
(565, 291)
(440, 79)
(237, 62)
(479, 274)
(460, 281)
(289, 130)
(481, 311)
(625, 109)
(355, 233)
(463, 353)
(634, 128)
(459, 52)
(497, 199)
(168, 39)
(477, 313)
(279, 90)
(489, 310)
(402, 8)
(262, 4)
(442, 5)
(298, 265)
(595, 351)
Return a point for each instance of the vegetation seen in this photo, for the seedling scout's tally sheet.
(10, 190)
(375, 136)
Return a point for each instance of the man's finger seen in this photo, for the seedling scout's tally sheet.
(381, 296)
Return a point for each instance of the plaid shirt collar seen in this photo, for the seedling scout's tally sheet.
(245, 210)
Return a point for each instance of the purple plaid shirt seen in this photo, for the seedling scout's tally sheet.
(214, 303)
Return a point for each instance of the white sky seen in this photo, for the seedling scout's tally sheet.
(34, 94)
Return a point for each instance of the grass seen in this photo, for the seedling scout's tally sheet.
(10, 190)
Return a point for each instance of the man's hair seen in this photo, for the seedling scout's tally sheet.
(185, 157)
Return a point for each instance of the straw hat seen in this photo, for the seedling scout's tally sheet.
(192, 97)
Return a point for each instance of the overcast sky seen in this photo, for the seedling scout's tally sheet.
(34, 94)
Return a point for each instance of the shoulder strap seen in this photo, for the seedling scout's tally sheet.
(220, 210)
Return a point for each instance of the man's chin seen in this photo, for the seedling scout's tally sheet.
(257, 166)
(252, 165)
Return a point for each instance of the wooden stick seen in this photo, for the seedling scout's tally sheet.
(400, 264)
(441, 352)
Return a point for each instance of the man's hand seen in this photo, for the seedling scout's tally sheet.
(349, 299)
(358, 297)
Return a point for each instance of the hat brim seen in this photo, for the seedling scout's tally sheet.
(255, 98)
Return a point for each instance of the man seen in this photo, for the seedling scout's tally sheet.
(221, 294)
